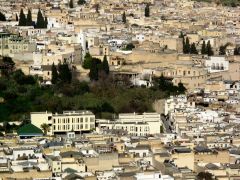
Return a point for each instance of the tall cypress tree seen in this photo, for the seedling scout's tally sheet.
(187, 46)
(2, 17)
(54, 74)
(29, 18)
(65, 74)
(16, 17)
(193, 49)
(209, 49)
(71, 4)
(87, 61)
(184, 46)
(105, 65)
(147, 11)
(40, 20)
(203, 49)
(46, 22)
(22, 19)
(183, 42)
(124, 19)
(93, 74)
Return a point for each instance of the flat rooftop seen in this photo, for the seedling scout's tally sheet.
(66, 113)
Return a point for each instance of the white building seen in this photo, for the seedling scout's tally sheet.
(103, 175)
(210, 99)
(217, 64)
(76, 121)
(209, 116)
(135, 124)
(178, 102)
(4, 165)
(232, 87)
(143, 79)
(54, 22)
(152, 176)
(116, 44)
(140, 38)
(24, 152)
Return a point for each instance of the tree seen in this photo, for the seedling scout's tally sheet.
(45, 127)
(130, 46)
(105, 65)
(203, 49)
(23, 79)
(193, 49)
(124, 19)
(46, 22)
(106, 107)
(222, 50)
(184, 45)
(79, 88)
(93, 74)
(16, 17)
(183, 41)
(187, 46)
(2, 17)
(233, 4)
(8, 66)
(236, 51)
(87, 61)
(40, 20)
(29, 18)
(81, 2)
(97, 8)
(6, 127)
(181, 35)
(209, 49)
(147, 10)
(205, 176)
(65, 74)
(71, 4)
(22, 19)
(167, 86)
(162, 83)
(181, 88)
(95, 69)
(161, 129)
(54, 74)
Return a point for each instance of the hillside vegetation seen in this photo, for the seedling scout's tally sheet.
(22, 94)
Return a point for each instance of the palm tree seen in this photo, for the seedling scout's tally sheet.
(45, 127)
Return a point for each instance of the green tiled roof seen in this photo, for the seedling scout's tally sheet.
(70, 170)
(29, 129)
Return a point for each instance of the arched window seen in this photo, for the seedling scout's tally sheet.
(221, 66)
(213, 66)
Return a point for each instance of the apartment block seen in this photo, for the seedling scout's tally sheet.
(135, 124)
(11, 44)
(76, 121)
